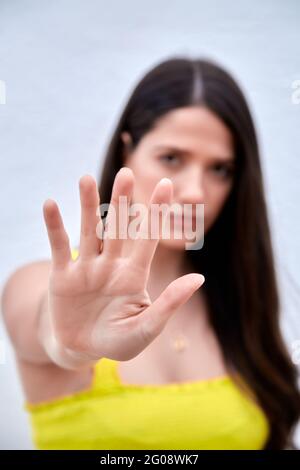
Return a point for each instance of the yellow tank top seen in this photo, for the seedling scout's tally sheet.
(202, 414)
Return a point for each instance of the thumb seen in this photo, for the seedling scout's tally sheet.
(177, 293)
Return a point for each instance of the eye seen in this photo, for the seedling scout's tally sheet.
(170, 159)
(223, 170)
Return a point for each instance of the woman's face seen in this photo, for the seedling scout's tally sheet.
(194, 149)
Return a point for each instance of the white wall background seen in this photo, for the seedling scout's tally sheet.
(69, 66)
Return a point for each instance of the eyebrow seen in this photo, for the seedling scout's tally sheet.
(226, 159)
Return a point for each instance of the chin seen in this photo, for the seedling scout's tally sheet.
(182, 244)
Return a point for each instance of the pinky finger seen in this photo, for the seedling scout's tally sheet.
(58, 237)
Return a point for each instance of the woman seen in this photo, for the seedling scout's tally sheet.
(120, 348)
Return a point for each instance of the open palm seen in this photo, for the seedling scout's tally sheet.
(99, 304)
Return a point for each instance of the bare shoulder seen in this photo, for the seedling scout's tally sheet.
(25, 285)
(22, 291)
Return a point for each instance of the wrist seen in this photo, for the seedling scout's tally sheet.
(65, 357)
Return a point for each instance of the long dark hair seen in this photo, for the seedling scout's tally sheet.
(237, 256)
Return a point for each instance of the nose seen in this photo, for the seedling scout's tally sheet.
(191, 187)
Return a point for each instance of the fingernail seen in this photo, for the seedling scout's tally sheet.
(200, 280)
(165, 181)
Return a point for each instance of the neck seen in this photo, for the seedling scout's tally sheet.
(167, 265)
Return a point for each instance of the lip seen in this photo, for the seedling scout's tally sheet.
(184, 219)
(186, 214)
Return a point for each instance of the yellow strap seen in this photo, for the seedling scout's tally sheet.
(74, 253)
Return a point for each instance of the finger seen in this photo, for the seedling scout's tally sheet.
(144, 248)
(116, 222)
(90, 244)
(58, 237)
(154, 318)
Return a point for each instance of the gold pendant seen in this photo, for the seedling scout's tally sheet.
(179, 343)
